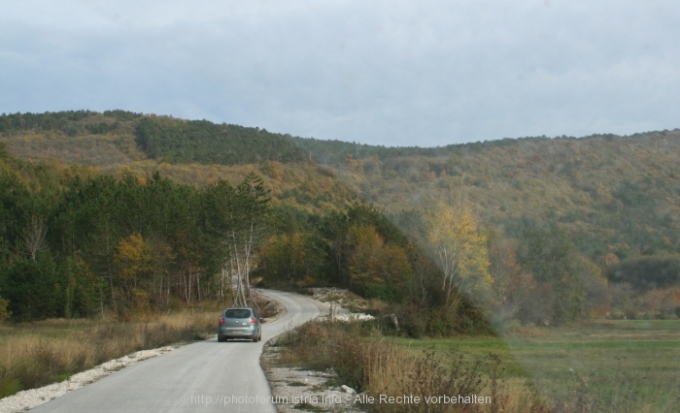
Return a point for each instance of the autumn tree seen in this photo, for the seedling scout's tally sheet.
(377, 269)
(132, 261)
(293, 257)
(460, 249)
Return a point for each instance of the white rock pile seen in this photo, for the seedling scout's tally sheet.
(337, 299)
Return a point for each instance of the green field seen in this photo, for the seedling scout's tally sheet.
(626, 366)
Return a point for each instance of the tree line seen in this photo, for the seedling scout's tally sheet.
(165, 139)
(440, 270)
(362, 249)
(70, 123)
(555, 229)
(100, 245)
(201, 141)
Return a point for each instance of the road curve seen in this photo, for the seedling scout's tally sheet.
(205, 376)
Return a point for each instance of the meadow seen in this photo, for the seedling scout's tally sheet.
(610, 365)
(603, 366)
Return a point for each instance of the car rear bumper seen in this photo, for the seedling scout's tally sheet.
(239, 337)
(231, 334)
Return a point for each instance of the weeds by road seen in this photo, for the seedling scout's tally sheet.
(40, 353)
(378, 367)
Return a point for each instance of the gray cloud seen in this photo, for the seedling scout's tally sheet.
(384, 72)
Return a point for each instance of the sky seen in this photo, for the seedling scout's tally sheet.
(386, 72)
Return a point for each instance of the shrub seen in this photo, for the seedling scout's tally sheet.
(4, 314)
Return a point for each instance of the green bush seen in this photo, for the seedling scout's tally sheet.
(9, 386)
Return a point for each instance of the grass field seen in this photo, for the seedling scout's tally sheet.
(39, 353)
(609, 366)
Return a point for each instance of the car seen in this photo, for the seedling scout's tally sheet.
(239, 322)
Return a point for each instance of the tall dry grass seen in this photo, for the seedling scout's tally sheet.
(376, 366)
(36, 354)
(393, 371)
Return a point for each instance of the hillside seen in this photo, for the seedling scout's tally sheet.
(164, 139)
(612, 194)
(589, 206)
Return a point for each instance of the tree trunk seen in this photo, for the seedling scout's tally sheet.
(34, 236)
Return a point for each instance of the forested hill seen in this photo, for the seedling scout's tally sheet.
(171, 140)
(167, 139)
(164, 139)
(550, 217)
(337, 152)
(178, 141)
(611, 194)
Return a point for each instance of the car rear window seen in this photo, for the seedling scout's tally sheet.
(237, 314)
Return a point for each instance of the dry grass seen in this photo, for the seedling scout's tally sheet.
(392, 371)
(377, 366)
(36, 354)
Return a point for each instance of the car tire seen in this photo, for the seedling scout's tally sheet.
(221, 339)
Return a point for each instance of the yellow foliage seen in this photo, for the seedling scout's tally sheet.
(372, 262)
(132, 260)
(461, 250)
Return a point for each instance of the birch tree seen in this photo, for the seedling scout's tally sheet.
(247, 220)
(460, 250)
(34, 235)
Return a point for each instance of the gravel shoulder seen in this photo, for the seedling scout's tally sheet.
(301, 391)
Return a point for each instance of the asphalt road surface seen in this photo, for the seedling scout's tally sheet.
(205, 376)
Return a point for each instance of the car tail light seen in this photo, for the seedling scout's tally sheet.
(221, 320)
(252, 320)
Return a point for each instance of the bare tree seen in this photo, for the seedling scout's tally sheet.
(247, 221)
(243, 242)
(34, 235)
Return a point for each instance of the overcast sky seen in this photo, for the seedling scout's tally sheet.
(392, 72)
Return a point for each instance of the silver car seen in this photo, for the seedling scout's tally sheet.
(239, 322)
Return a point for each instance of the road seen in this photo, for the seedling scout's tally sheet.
(205, 376)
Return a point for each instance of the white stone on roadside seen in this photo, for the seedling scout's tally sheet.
(345, 388)
(29, 399)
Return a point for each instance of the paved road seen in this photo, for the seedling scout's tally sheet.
(206, 376)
